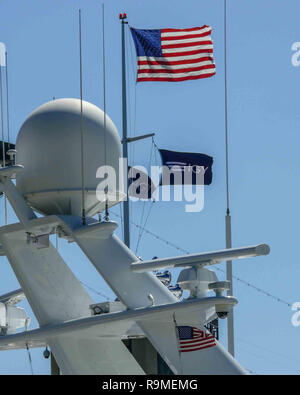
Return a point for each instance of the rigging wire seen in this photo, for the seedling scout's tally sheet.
(154, 143)
(235, 277)
(266, 358)
(241, 340)
(82, 282)
(266, 349)
(144, 205)
(93, 290)
(145, 223)
(144, 202)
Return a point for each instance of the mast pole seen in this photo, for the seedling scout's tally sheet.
(230, 322)
(123, 18)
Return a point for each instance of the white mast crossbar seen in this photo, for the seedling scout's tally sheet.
(200, 260)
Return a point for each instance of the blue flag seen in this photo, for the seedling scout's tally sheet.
(186, 167)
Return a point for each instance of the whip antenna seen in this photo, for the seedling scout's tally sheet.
(106, 217)
(81, 126)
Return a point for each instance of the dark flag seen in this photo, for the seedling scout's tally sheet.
(140, 184)
(186, 167)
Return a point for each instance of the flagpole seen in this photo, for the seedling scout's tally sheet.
(124, 139)
(230, 321)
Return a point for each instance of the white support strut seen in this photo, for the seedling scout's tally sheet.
(201, 260)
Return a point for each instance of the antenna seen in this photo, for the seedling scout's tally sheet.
(230, 325)
(106, 216)
(81, 126)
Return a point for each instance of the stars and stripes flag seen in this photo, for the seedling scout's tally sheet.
(193, 339)
(174, 54)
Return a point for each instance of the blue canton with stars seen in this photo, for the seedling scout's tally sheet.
(147, 42)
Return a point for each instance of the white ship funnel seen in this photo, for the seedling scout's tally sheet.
(49, 148)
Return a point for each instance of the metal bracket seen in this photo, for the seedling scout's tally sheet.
(132, 139)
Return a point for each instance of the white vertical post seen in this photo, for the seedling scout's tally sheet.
(230, 327)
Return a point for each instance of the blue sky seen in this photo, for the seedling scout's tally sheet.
(264, 141)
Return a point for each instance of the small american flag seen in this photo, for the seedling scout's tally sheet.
(192, 339)
(174, 54)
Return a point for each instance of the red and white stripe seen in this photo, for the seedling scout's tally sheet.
(200, 341)
(187, 55)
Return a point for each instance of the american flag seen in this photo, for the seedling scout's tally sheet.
(174, 54)
(192, 339)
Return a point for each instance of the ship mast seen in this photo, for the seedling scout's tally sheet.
(123, 18)
(125, 138)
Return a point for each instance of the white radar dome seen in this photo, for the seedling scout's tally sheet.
(49, 147)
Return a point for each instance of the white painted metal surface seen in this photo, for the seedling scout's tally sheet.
(48, 146)
(55, 296)
(113, 261)
(115, 324)
(200, 260)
